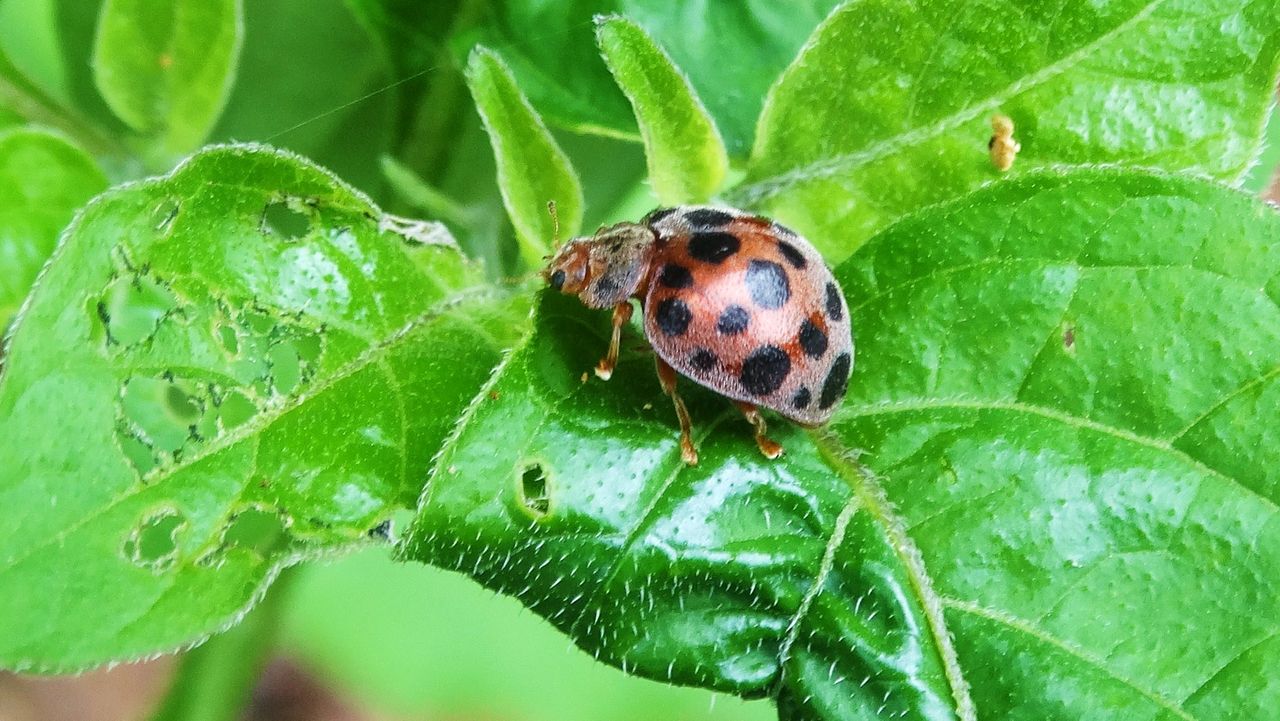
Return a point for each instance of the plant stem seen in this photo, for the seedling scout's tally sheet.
(213, 681)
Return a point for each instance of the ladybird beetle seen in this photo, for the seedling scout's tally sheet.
(736, 302)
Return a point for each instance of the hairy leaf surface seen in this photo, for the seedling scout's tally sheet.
(532, 169)
(220, 372)
(686, 157)
(1049, 494)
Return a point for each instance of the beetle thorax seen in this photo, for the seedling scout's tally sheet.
(605, 269)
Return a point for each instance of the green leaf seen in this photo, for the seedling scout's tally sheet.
(43, 180)
(532, 169)
(888, 108)
(549, 47)
(1066, 400)
(1054, 451)
(687, 160)
(220, 372)
(165, 67)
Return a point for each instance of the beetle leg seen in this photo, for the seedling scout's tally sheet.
(768, 446)
(621, 314)
(667, 377)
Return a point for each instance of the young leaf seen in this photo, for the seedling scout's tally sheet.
(166, 67)
(549, 48)
(888, 108)
(687, 160)
(43, 180)
(220, 372)
(1052, 452)
(532, 169)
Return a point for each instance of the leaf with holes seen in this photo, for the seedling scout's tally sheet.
(166, 67)
(889, 106)
(220, 372)
(1050, 494)
(43, 180)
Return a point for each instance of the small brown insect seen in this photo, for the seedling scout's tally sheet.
(734, 301)
(1002, 146)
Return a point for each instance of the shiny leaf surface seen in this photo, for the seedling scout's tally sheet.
(889, 106)
(1050, 453)
(165, 67)
(221, 372)
(686, 158)
(532, 169)
(43, 180)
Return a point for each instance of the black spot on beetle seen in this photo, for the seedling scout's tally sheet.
(703, 359)
(812, 339)
(835, 310)
(792, 254)
(733, 320)
(767, 283)
(801, 398)
(557, 279)
(675, 276)
(708, 218)
(764, 370)
(837, 381)
(713, 247)
(673, 316)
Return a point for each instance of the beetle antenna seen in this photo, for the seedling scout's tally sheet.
(555, 224)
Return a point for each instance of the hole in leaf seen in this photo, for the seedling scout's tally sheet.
(286, 367)
(139, 454)
(534, 494)
(163, 415)
(256, 530)
(285, 220)
(164, 214)
(131, 309)
(234, 409)
(154, 543)
(226, 336)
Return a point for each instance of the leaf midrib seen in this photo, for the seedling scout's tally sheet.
(871, 496)
(768, 186)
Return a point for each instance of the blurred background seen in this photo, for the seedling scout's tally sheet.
(361, 637)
